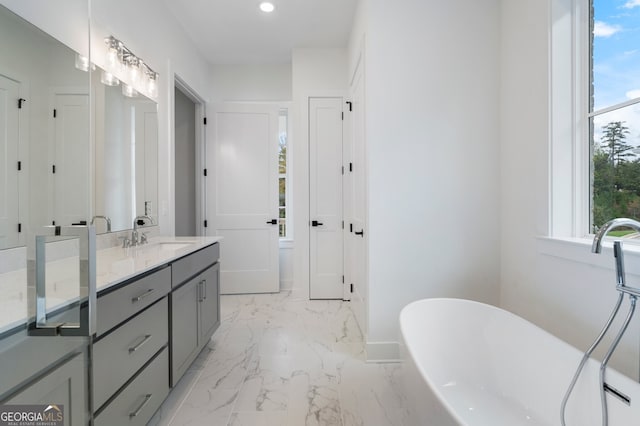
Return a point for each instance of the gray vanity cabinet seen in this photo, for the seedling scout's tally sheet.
(184, 327)
(195, 309)
(209, 303)
(65, 385)
(131, 357)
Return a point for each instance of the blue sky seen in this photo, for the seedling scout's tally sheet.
(616, 62)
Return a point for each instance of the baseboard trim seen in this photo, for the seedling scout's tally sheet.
(383, 352)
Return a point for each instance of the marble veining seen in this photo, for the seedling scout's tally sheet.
(278, 359)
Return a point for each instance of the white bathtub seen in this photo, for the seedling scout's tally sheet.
(474, 364)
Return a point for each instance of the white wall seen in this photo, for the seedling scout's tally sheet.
(432, 79)
(562, 287)
(265, 82)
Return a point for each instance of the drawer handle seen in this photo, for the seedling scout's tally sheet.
(139, 345)
(143, 295)
(147, 398)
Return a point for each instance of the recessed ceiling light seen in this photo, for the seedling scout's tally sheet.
(267, 7)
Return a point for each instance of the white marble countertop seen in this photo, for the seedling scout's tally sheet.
(113, 266)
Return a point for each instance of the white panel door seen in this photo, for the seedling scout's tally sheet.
(9, 133)
(325, 198)
(245, 201)
(356, 193)
(71, 160)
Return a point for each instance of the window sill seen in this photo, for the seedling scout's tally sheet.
(579, 250)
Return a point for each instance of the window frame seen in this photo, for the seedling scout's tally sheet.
(287, 176)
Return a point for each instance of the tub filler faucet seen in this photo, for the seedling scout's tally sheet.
(622, 289)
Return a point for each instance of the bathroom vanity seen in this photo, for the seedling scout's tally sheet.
(157, 307)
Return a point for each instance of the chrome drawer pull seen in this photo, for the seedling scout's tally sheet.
(139, 345)
(147, 398)
(142, 296)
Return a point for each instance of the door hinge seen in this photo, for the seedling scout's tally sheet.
(19, 227)
(205, 121)
(205, 223)
(343, 115)
(55, 113)
(350, 105)
(19, 165)
(351, 167)
(342, 169)
(351, 227)
(343, 279)
(20, 101)
(343, 224)
(205, 172)
(53, 169)
(351, 289)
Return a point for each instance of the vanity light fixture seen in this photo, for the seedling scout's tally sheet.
(267, 7)
(120, 60)
(109, 79)
(129, 91)
(83, 64)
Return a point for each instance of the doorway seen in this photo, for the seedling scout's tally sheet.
(189, 161)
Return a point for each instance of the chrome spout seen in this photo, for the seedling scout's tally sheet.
(106, 219)
(135, 240)
(596, 247)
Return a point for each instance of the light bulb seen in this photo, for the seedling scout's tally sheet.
(134, 70)
(129, 91)
(109, 79)
(83, 64)
(152, 86)
(267, 7)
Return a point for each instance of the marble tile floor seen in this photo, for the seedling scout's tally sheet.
(279, 359)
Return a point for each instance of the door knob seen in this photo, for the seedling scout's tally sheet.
(272, 222)
(361, 233)
(316, 223)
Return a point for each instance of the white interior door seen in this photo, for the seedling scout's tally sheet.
(245, 202)
(71, 160)
(356, 212)
(325, 198)
(9, 133)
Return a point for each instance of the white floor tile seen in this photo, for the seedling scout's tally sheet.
(278, 359)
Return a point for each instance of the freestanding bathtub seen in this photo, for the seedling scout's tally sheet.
(467, 363)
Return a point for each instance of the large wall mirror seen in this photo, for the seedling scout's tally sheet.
(55, 167)
(126, 156)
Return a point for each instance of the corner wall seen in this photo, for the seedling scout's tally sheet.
(432, 76)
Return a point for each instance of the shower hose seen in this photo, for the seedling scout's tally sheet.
(605, 361)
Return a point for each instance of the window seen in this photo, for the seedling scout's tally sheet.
(614, 110)
(283, 196)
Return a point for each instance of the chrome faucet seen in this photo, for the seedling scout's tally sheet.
(135, 240)
(622, 289)
(596, 247)
(106, 219)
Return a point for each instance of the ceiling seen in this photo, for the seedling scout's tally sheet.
(237, 32)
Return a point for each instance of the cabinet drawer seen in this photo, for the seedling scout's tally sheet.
(122, 353)
(137, 403)
(115, 307)
(190, 265)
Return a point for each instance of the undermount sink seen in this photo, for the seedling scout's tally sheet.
(174, 245)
